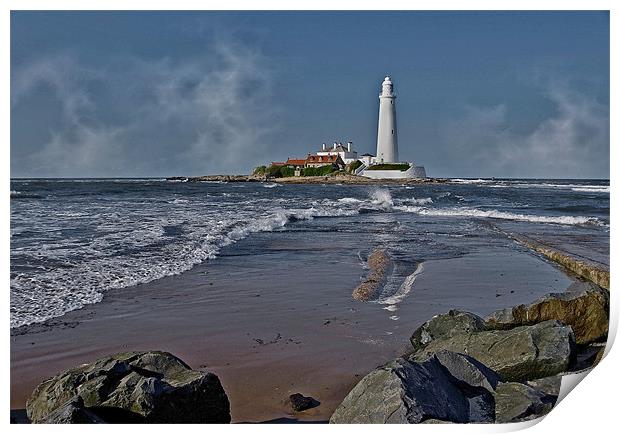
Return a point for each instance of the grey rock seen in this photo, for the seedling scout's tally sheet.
(72, 411)
(468, 370)
(444, 326)
(547, 385)
(584, 306)
(517, 402)
(152, 387)
(519, 354)
(409, 391)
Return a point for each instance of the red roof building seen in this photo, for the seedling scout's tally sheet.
(324, 160)
(297, 162)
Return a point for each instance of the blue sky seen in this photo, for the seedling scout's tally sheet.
(480, 94)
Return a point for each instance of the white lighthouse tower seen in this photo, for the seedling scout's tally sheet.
(387, 142)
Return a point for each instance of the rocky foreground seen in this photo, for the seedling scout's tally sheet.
(460, 368)
(506, 368)
(137, 387)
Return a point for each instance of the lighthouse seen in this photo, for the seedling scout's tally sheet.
(387, 139)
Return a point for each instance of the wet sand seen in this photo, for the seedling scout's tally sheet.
(277, 322)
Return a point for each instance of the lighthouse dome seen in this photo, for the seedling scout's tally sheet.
(387, 88)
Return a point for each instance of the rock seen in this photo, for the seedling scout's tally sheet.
(468, 370)
(404, 391)
(517, 402)
(301, 403)
(548, 385)
(154, 387)
(584, 306)
(444, 326)
(72, 411)
(378, 264)
(519, 354)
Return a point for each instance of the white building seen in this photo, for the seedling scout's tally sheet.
(347, 153)
(367, 159)
(387, 139)
(387, 143)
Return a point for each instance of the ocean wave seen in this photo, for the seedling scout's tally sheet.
(492, 183)
(24, 195)
(471, 181)
(349, 200)
(382, 198)
(422, 201)
(556, 186)
(121, 258)
(473, 212)
(592, 189)
(272, 185)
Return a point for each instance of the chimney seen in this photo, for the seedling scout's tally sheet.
(349, 146)
(324, 146)
(335, 144)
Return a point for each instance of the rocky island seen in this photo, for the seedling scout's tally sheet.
(332, 178)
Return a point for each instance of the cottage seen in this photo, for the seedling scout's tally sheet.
(297, 163)
(324, 160)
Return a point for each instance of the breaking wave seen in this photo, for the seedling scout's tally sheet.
(423, 201)
(382, 198)
(492, 183)
(24, 195)
(75, 285)
(473, 212)
(591, 189)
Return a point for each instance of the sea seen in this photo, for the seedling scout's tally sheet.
(74, 240)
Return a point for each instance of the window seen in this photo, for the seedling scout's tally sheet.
(392, 132)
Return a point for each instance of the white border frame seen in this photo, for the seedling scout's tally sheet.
(591, 408)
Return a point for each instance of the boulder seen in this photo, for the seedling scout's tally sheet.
(444, 326)
(302, 403)
(154, 387)
(584, 306)
(409, 391)
(519, 354)
(517, 402)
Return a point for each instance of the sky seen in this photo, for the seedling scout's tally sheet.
(141, 94)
